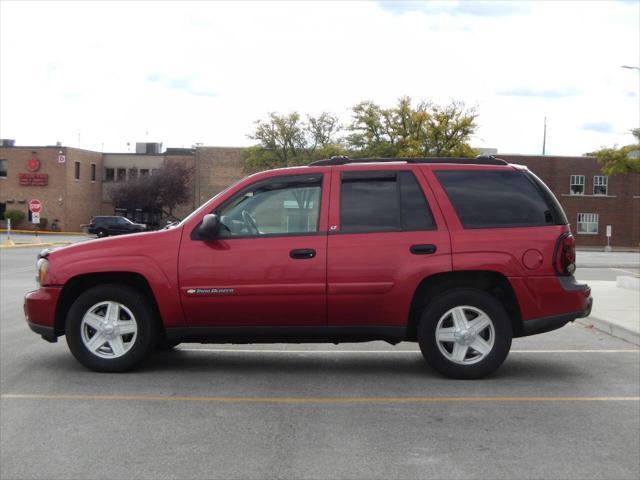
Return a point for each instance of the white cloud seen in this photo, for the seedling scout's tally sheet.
(204, 71)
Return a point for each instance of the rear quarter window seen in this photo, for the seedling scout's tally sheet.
(495, 199)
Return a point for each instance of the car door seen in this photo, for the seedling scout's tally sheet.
(267, 266)
(120, 225)
(386, 235)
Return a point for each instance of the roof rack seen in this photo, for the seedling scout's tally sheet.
(479, 160)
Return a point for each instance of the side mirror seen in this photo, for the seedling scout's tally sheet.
(208, 229)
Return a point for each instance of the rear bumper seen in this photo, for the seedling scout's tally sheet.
(580, 294)
(40, 311)
(546, 324)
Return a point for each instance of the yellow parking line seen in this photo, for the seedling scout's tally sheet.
(311, 400)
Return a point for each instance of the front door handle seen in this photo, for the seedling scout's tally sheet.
(423, 249)
(302, 253)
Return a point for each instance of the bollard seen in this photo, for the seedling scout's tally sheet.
(8, 241)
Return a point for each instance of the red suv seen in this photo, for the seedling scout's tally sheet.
(459, 255)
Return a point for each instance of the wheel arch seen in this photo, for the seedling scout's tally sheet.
(77, 285)
(492, 282)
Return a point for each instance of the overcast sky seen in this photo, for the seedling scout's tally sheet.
(99, 75)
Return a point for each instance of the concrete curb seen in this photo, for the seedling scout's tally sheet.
(611, 328)
(40, 245)
(600, 265)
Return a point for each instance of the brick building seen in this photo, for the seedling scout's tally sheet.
(591, 200)
(66, 180)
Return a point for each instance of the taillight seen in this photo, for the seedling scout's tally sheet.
(92, 222)
(564, 261)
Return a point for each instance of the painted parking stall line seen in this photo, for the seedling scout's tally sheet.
(320, 400)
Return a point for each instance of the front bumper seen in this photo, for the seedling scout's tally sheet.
(40, 311)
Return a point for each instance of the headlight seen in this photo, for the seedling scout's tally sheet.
(42, 265)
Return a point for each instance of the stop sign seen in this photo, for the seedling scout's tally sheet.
(35, 206)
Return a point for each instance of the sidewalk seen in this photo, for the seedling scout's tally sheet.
(591, 259)
(616, 309)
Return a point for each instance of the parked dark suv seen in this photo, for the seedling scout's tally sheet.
(105, 226)
(459, 255)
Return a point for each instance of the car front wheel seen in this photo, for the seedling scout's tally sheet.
(465, 333)
(110, 328)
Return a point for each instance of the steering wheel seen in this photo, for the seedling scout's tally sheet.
(250, 222)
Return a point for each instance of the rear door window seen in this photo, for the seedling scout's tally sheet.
(494, 199)
(382, 201)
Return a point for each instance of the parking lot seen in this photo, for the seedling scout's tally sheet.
(565, 404)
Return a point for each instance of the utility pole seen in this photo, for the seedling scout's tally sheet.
(544, 137)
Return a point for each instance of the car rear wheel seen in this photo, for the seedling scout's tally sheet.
(101, 233)
(465, 333)
(110, 328)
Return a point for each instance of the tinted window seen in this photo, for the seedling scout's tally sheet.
(486, 199)
(416, 214)
(383, 201)
(369, 202)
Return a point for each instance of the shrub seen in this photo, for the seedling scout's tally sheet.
(16, 216)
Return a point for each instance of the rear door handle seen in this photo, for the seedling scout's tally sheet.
(302, 253)
(423, 249)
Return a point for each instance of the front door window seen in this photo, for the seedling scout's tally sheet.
(282, 206)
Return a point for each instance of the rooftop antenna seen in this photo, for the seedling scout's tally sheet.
(544, 137)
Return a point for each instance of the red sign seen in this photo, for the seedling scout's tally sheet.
(35, 206)
(33, 179)
(33, 165)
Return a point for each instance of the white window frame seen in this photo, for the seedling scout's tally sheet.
(601, 181)
(585, 220)
(576, 180)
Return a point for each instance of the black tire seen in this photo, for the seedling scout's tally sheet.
(101, 233)
(501, 335)
(166, 346)
(138, 348)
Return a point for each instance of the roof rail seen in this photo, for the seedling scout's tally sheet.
(479, 160)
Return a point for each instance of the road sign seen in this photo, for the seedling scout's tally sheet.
(35, 206)
(35, 217)
(608, 230)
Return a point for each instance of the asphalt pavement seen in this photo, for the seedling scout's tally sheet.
(565, 404)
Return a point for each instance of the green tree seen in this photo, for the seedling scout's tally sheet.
(287, 140)
(412, 131)
(621, 160)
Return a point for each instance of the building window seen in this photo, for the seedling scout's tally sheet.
(577, 185)
(3, 169)
(144, 172)
(3, 208)
(133, 173)
(154, 171)
(121, 175)
(588, 223)
(600, 185)
(76, 174)
(93, 172)
(108, 174)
